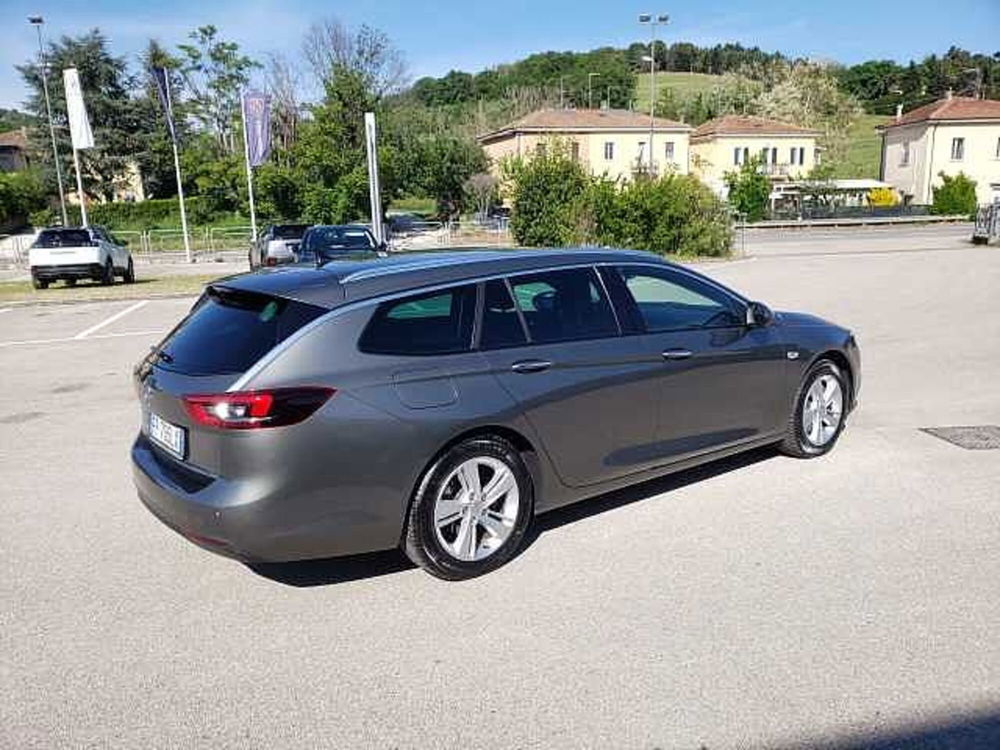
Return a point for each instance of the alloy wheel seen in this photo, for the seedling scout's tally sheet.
(822, 410)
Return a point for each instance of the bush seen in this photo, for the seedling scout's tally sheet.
(20, 194)
(956, 196)
(556, 203)
(151, 214)
(749, 189)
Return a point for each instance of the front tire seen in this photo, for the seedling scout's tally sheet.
(819, 414)
(471, 510)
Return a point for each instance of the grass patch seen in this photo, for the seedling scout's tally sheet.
(683, 84)
(84, 291)
(422, 206)
(863, 149)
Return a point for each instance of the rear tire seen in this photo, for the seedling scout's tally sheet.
(70, 282)
(471, 510)
(820, 412)
(109, 274)
(39, 283)
(129, 277)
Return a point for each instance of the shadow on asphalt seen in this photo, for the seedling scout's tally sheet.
(333, 570)
(978, 732)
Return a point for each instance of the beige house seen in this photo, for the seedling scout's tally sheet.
(787, 152)
(610, 142)
(952, 135)
(14, 150)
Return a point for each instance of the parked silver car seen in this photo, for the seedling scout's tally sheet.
(277, 244)
(440, 401)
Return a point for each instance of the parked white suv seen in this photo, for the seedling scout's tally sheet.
(72, 253)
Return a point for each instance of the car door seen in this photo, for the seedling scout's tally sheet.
(722, 382)
(552, 340)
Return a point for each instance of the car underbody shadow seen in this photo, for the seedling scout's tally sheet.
(327, 571)
(643, 491)
(305, 573)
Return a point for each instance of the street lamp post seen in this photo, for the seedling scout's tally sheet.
(590, 89)
(37, 22)
(659, 20)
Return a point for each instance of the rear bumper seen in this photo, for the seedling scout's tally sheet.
(68, 271)
(250, 521)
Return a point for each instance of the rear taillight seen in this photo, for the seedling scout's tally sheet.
(251, 410)
(271, 261)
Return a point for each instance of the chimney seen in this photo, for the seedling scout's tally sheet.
(948, 94)
(899, 112)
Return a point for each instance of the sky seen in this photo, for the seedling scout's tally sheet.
(436, 37)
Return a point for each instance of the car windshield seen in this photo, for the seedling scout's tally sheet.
(289, 231)
(335, 240)
(62, 238)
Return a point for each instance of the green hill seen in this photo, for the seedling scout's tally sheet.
(684, 84)
(863, 148)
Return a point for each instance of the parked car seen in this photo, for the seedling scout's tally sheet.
(327, 242)
(74, 253)
(277, 244)
(440, 401)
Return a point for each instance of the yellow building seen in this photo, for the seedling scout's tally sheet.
(609, 142)
(787, 152)
(952, 135)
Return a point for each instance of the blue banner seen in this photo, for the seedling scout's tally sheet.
(162, 81)
(257, 120)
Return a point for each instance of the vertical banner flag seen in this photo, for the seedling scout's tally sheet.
(257, 117)
(162, 90)
(79, 125)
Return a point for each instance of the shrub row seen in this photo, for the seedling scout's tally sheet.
(150, 214)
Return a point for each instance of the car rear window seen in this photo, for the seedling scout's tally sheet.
(289, 231)
(433, 323)
(62, 238)
(229, 330)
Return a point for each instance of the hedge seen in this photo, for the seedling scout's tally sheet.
(150, 214)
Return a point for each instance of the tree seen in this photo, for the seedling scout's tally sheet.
(955, 196)
(329, 46)
(482, 188)
(215, 73)
(156, 158)
(749, 189)
(548, 193)
(119, 131)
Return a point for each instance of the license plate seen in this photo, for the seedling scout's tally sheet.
(167, 435)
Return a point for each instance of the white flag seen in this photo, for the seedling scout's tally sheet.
(79, 125)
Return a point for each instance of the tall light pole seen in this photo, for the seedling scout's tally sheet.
(590, 89)
(660, 20)
(37, 22)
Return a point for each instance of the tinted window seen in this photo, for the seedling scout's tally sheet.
(227, 331)
(327, 241)
(501, 323)
(432, 323)
(62, 238)
(564, 305)
(669, 301)
(289, 231)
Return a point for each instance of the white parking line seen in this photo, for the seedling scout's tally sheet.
(6, 309)
(108, 321)
(71, 339)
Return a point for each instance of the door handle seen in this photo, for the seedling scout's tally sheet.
(525, 366)
(674, 354)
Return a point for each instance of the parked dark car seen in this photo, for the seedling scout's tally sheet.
(277, 244)
(327, 242)
(440, 401)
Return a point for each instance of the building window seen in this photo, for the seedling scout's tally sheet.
(540, 149)
(997, 154)
(746, 155)
(609, 150)
(816, 155)
(957, 149)
(793, 156)
(642, 151)
(904, 157)
(736, 156)
(668, 151)
(802, 155)
(774, 155)
(574, 149)
(763, 155)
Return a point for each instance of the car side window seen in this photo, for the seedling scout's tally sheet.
(424, 324)
(564, 305)
(501, 326)
(669, 301)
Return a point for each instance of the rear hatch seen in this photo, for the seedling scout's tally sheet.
(60, 247)
(286, 240)
(227, 331)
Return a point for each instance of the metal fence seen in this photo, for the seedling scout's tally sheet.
(425, 235)
(818, 211)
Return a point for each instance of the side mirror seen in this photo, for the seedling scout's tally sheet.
(759, 315)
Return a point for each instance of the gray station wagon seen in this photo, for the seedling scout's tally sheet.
(439, 401)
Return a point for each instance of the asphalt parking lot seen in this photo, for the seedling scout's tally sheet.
(762, 601)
